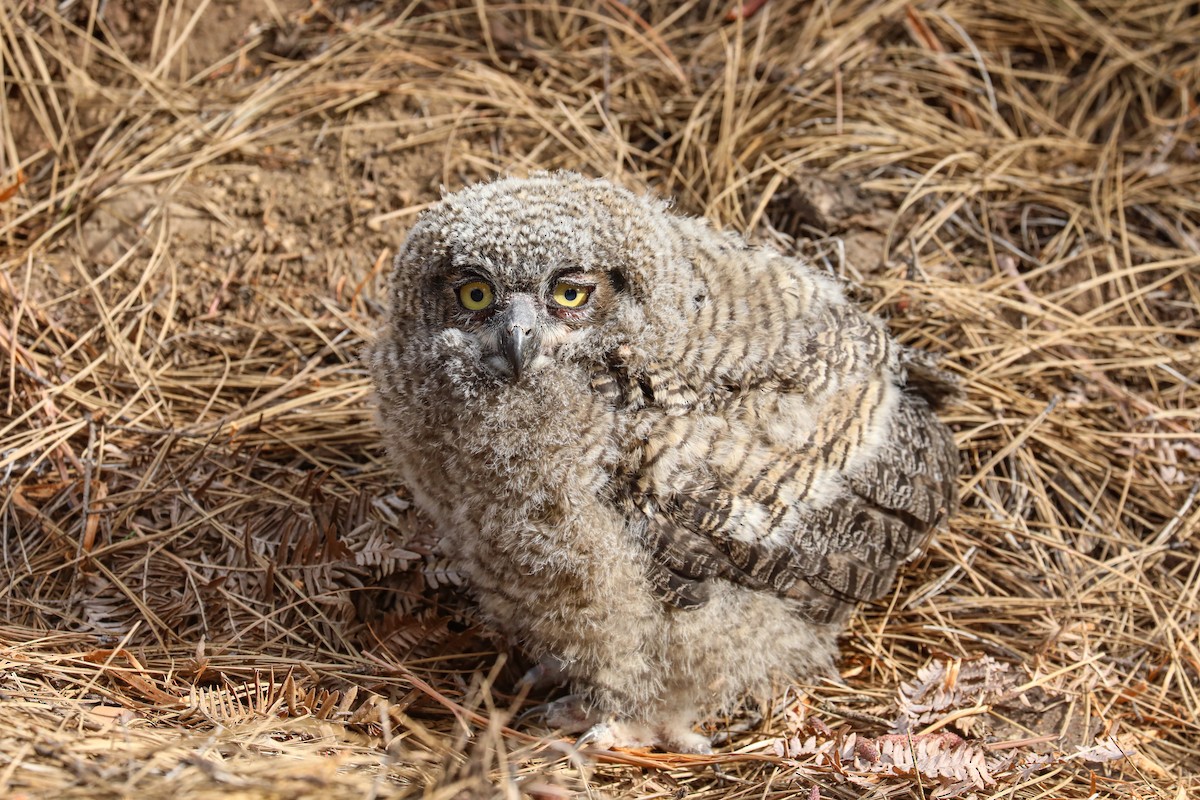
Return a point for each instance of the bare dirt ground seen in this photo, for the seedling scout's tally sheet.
(210, 584)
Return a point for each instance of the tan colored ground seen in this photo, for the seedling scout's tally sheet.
(210, 585)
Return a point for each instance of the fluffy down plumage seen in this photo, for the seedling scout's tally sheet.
(674, 491)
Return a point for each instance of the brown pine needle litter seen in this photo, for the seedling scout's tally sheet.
(211, 585)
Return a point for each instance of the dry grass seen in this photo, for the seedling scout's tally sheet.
(210, 584)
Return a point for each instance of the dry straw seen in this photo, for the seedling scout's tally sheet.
(212, 587)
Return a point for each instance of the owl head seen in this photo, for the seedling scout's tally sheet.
(523, 273)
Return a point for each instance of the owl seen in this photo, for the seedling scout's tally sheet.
(667, 462)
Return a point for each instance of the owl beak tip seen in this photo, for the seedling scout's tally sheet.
(520, 348)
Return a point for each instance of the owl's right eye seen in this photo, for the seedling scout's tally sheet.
(475, 296)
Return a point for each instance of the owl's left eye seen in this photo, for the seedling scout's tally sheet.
(475, 296)
(570, 295)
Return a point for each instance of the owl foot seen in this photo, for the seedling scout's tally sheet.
(607, 735)
(572, 714)
(685, 741)
(568, 714)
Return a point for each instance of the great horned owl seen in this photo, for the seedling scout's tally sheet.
(668, 462)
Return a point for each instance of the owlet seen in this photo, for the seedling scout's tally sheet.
(668, 462)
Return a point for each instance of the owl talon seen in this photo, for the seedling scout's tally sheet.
(540, 710)
(599, 737)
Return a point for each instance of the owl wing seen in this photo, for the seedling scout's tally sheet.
(800, 524)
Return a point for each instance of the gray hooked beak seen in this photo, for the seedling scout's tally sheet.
(517, 337)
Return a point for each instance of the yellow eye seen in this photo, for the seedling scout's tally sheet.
(568, 295)
(475, 296)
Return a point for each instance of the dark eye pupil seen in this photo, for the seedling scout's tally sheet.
(570, 294)
(477, 295)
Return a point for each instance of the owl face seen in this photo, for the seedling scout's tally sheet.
(519, 275)
(522, 317)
